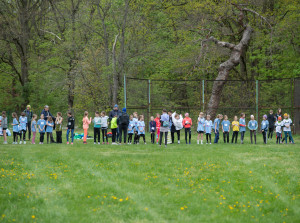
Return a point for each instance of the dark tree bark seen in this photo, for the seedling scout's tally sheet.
(224, 68)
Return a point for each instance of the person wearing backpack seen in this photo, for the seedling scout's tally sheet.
(123, 122)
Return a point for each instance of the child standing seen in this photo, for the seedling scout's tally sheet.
(264, 128)
(70, 127)
(286, 123)
(104, 126)
(86, 121)
(187, 124)
(157, 120)
(15, 125)
(208, 127)
(4, 126)
(41, 124)
(141, 129)
(33, 128)
(58, 127)
(152, 125)
(135, 130)
(242, 127)
(216, 127)
(49, 129)
(130, 129)
(271, 119)
(225, 128)
(278, 125)
(97, 126)
(235, 128)
(252, 125)
(23, 122)
(177, 121)
(114, 127)
(200, 127)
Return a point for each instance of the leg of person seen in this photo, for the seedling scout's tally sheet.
(33, 137)
(160, 137)
(60, 136)
(198, 138)
(209, 138)
(68, 131)
(158, 134)
(290, 136)
(117, 134)
(172, 137)
(185, 132)
(84, 135)
(178, 136)
(237, 135)
(113, 135)
(224, 137)
(72, 136)
(51, 137)
(42, 137)
(48, 137)
(232, 137)
(251, 136)
(269, 134)
(227, 137)
(129, 137)
(120, 134)
(151, 136)
(125, 133)
(166, 139)
(95, 136)
(206, 137)
(264, 136)
(190, 135)
(144, 138)
(254, 133)
(105, 132)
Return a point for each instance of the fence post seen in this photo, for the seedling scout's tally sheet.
(149, 101)
(125, 90)
(256, 101)
(203, 101)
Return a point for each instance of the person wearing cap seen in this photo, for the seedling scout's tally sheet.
(286, 123)
(123, 122)
(28, 114)
(278, 125)
(112, 114)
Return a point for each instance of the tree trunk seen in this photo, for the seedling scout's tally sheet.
(224, 69)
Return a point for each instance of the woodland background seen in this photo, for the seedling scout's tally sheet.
(73, 54)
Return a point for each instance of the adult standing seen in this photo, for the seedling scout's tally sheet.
(113, 113)
(28, 114)
(172, 126)
(279, 114)
(165, 126)
(123, 122)
(271, 119)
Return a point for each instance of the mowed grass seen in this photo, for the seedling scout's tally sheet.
(148, 183)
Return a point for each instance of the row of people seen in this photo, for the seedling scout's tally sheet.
(122, 124)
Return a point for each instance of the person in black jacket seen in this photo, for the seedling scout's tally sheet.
(70, 127)
(123, 122)
(271, 119)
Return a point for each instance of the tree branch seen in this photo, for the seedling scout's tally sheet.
(51, 33)
(220, 43)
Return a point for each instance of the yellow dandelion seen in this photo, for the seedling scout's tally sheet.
(230, 207)
(250, 171)
(182, 208)
(121, 200)
(127, 198)
(32, 216)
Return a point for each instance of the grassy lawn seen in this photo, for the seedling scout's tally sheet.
(146, 183)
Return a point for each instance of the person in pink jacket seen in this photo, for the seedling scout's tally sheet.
(86, 121)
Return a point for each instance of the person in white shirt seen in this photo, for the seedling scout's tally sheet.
(286, 123)
(278, 126)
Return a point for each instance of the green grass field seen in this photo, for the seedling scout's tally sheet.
(146, 183)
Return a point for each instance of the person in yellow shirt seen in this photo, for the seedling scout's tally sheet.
(235, 129)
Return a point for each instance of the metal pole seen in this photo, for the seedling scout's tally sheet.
(149, 102)
(203, 101)
(125, 90)
(256, 101)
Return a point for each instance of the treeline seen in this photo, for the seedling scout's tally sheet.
(72, 54)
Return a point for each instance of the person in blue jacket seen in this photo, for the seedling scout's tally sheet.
(200, 127)
(225, 128)
(216, 127)
(242, 123)
(264, 128)
(252, 126)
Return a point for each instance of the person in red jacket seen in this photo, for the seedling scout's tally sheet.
(187, 123)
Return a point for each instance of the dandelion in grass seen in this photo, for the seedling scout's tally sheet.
(33, 216)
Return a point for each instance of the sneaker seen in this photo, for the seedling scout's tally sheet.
(107, 143)
(178, 141)
(103, 143)
(67, 143)
(94, 143)
(5, 142)
(145, 143)
(210, 143)
(201, 143)
(165, 146)
(24, 142)
(99, 143)
(71, 143)
(20, 142)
